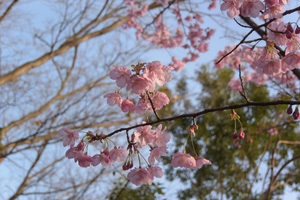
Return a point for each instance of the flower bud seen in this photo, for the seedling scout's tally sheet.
(296, 113)
(297, 31)
(234, 136)
(289, 28)
(242, 134)
(289, 110)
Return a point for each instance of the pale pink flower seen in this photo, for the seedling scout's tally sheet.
(231, 6)
(270, 67)
(235, 84)
(138, 84)
(177, 64)
(118, 154)
(69, 136)
(156, 153)
(273, 11)
(292, 59)
(212, 5)
(143, 105)
(251, 8)
(127, 106)
(201, 161)
(121, 75)
(83, 159)
(139, 176)
(275, 35)
(102, 158)
(154, 72)
(113, 99)
(144, 135)
(161, 137)
(159, 100)
(155, 171)
(183, 160)
(73, 151)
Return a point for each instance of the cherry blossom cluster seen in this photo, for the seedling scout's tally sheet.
(165, 36)
(266, 62)
(144, 136)
(141, 80)
(268, 9)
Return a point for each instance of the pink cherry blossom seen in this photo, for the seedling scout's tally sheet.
(251, 8)
(177, 64)
(127, 106)
(102, 158)
(139, 176)
(156, 153)
(155, 171)
(143, 105)
(159, 100)
(69, 136)
(231, 6)
(138, 84)
(83, 159)
(121, 75)
(154, 72)
(201, 161)
(212, 5)
(118, 154)
(275, 34)
(161, 137)
(73, 151)
(113, 99)
(183, 160)
(144, 135)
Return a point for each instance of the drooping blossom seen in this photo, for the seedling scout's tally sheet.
(121, 75)
(73, 151)
(156, 153)
(69, 136)
(183, 160)
(140, 176)
(155, 171)
(83, 159)
(102, 158)
(118, 154)
(201, 161)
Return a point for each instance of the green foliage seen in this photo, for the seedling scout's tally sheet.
(235, 169)
(144, 192)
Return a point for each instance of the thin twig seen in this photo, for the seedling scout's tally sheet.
(210, 110)
(152, 105)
